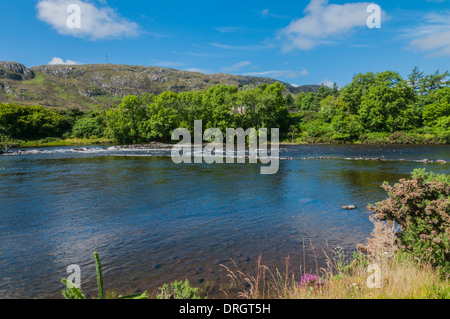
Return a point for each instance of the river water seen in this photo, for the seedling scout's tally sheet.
(153, 221)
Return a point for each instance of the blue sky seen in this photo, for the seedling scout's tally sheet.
(299, 42)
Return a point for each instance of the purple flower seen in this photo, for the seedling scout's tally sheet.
(308, 280)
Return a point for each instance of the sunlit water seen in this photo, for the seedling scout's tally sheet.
(153, 221)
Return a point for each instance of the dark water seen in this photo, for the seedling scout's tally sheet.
(153, 221)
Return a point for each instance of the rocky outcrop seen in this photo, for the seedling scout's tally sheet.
(60, 71)
(15, 71)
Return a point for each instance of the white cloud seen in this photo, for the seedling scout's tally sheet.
(266, 13)
(433, 36)
(168, 64)
(238, 47)
(279, 74)
(237, 66)
(197, 70)
(328, 83)
(59, 61)
(304, 72)
(96, 22)
(322, 21)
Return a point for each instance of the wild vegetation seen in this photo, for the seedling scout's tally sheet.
(407, 257)
(373, 108)
(421, 208)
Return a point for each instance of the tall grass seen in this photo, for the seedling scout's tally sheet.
(402, 277)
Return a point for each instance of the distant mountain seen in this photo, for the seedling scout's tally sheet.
(87, 86)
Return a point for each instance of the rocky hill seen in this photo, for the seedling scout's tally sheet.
(88, 86)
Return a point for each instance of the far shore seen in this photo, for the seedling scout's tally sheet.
(154, 144)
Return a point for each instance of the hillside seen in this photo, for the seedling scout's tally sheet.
(88, 86)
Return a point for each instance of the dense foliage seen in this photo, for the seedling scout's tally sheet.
(421, 207)
(155, 117)
(378, 108)
(373, 108)
(31, 122)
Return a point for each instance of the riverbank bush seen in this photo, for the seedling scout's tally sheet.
(421, 207)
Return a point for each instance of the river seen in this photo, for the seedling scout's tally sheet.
(153, 221)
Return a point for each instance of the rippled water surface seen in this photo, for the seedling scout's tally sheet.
(153, 221)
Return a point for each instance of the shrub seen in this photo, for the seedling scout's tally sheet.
(421, 208)
(178, 290)
(89, 126)
(401, 138)
(5, 143)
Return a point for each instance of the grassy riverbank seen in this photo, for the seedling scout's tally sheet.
(63, 142)
(380, 139)
(397, 138)
(401, 277)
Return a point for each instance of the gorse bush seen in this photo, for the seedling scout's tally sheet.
(421, 208)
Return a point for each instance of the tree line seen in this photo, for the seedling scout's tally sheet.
(374, 108)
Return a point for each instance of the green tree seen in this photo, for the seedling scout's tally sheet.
(289, 101)
(126, 121)
(299, 100)
(31, 122)
(352, 93)
(386, 105)
(91, 125)
(433, 82)
(310, 102)
(5, 143)
(439, 109)
(415, 79)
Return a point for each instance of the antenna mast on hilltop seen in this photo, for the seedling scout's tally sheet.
(107, 61)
